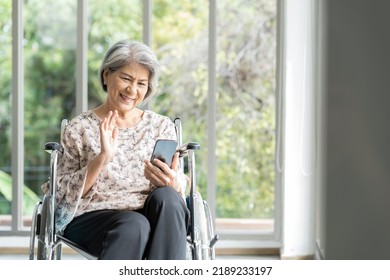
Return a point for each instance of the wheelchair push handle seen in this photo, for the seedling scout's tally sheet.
(53, 146)
(183, 150)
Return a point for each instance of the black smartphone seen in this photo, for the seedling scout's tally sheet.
(164, 150)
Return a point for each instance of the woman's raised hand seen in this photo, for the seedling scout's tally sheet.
(108, 136)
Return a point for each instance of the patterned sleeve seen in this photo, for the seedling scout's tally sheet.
(167, 129)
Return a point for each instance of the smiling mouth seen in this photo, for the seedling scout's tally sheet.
(126, 98)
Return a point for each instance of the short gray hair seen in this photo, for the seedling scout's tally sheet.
(125, 52)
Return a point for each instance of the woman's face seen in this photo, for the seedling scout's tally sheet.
(126, 87)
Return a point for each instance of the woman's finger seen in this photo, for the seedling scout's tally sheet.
(158, 174)
(175, 161)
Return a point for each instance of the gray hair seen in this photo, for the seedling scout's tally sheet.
(125, 52)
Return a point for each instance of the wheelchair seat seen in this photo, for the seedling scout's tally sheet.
(82, 251)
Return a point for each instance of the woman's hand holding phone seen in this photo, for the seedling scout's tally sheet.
(162, 169)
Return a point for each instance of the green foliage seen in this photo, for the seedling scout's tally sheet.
(5, 82)
(29, 197)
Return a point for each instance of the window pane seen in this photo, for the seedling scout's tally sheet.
(50, 58)
(246, 60)
(5, 112)
(180, 38)
(109, 21)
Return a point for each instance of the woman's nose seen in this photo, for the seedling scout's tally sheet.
(131, 89)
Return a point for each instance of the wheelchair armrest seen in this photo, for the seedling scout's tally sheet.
(52, 146)
(183, 150)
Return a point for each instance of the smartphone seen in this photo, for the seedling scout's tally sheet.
(164, 150)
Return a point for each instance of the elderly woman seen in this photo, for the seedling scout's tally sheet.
(110, 198)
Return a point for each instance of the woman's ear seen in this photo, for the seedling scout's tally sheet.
(105, 76)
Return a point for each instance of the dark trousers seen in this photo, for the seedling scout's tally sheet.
(156, 232)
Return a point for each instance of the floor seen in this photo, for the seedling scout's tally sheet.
(77, 257)
(16, 248)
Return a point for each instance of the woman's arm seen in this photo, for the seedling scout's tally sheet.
(109, 146)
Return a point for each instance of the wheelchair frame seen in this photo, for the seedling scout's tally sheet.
(200, 242)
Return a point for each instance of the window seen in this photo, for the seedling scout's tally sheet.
(241, 85)
(245, 122)
(245, 100)
(49, 84)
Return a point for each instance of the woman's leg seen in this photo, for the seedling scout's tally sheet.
(169, 219)
(110, 234)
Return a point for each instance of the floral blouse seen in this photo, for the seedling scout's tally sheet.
(121, 184)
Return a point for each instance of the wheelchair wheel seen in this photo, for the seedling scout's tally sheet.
(199, 248)
(47, 248)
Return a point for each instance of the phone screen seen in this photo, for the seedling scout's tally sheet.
(164, 150)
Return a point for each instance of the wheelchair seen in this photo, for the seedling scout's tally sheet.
(200, 241)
